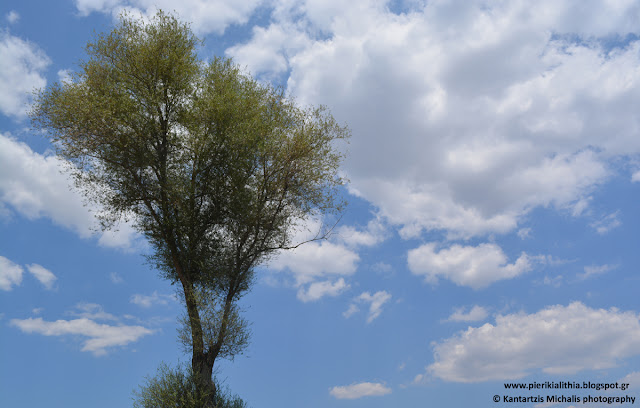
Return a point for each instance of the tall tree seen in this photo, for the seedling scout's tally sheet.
(213, 167)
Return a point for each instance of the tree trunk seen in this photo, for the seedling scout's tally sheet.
(203, 371)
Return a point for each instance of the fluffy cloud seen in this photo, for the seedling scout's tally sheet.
(477, 313)
(10, 274)
(477, 116)
(563, 339)
(353, 237)
(315, 260)
(22, 66)
(206, 16)
(100, 337)
(35, 186)
(43, 275)
(476, 267)
(318, 268)
(365, 389)
(318, 290)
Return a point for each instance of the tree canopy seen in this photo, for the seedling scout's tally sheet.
(214, 168)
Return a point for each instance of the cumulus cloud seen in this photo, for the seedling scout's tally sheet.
(373, 234)
(36, 186)
(364, 389)
(477, 313)
(476, 267)
(206, 16)
(22, 67)
(100, 337)
(318, 268)
(563, 340)
(43, 275)
(480, 115)
(318, 290)
(10, 274)
(316, 260)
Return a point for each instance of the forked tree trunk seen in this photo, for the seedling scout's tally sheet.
(203, 371)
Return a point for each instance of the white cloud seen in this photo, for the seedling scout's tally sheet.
(594, 270)
(545, 105)
(556, 281)
(376, 301)
(563, 339)
(632, 378)
(353, 309)
(606, 223)
(22, 66)
(352, 237)
(12, 17)
(43, 275)
(477, 313)
(10, 274)
(64, 75)
(318, 290)
(100, 337)
(36, 186)
(92, 311)
(206, 16)
(149, 300)
(115, 278)
(318, 268)
(364, 389)
(524, 233)
(315, 260)
(476, 267)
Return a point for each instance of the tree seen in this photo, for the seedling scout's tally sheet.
(214, 168)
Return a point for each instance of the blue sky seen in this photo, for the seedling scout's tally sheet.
(491, 234)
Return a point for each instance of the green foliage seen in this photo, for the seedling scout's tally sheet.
(211, 311)
(176, 388)
(213, 167)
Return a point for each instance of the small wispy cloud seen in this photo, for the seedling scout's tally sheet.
(524, 233)
(606, 223)
(375, 301)
(10, 274)
(594, 270)
(43, 275)
(115, 278)
(149, 300)
(92, 311)
(364, 389)
(12, 17)
(477, 313)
